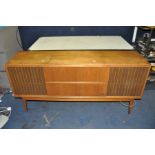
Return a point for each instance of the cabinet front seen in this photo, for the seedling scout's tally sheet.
(76, 74)
(76, 89)
(76, 81)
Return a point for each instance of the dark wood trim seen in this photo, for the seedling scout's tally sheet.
(25, 105)
(131, 106)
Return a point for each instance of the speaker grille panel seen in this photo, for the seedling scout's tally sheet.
(27, 80)
(126, 81)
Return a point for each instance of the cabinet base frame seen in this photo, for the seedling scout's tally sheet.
(130, 106)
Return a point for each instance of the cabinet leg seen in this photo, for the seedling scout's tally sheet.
(131, 105)
(25, 105)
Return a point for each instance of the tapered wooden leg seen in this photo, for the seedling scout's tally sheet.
(25, 105)
(131, 105)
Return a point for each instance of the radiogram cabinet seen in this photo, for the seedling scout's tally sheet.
(78, 76)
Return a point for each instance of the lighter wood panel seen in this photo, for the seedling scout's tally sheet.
(75, 74)
(75, 89)
(94, 57)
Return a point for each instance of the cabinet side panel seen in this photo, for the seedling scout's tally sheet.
(127, 81)
(27, 80)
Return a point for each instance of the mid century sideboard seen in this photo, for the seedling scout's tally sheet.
(78, 76)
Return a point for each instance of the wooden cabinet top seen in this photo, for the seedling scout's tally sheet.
(62, 58)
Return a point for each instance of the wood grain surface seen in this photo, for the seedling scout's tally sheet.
(78, 75)
(92, 58)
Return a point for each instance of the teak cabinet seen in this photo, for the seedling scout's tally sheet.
(78, 76)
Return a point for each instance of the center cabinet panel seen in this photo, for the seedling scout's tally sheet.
(76, 74)
(76, 89)
(76, 81)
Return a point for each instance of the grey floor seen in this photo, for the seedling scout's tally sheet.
(82, 115)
